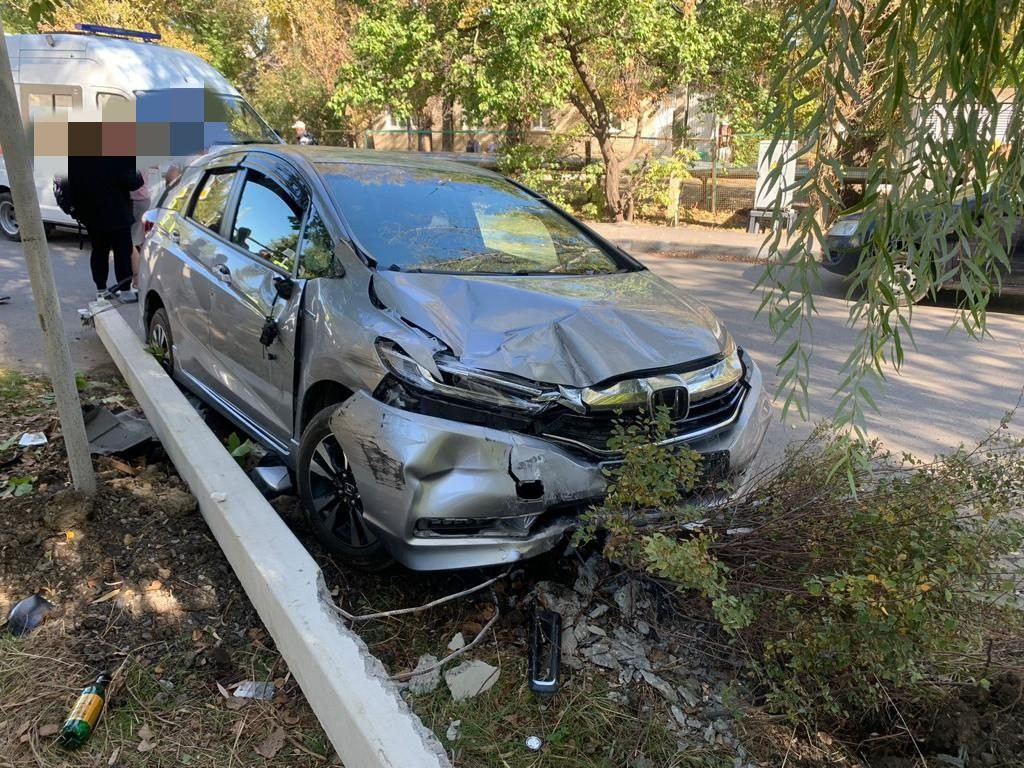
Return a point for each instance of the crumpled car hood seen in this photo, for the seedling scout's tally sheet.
(559, 329)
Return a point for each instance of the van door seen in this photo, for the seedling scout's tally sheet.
(265, 234)
(41, 102)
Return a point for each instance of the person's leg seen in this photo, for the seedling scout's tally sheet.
(139, 207)
(99, 258)
(121, 242)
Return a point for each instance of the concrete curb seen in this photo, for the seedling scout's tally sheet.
(359, 708)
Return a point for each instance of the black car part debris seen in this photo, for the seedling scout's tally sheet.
(545, 652)
(28, 614)
(109, 433)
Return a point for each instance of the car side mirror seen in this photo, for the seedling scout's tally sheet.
(284, 286)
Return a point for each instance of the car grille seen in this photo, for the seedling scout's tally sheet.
(590, 432)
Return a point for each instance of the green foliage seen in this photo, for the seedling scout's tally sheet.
(886, 70)
(654, 180)
(238, 448)
(17, 486)
(613, 60)
(13, 384)
(548, 169)
(840, 591)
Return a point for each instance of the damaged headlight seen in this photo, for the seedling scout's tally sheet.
(463, 383)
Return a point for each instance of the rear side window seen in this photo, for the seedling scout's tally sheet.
(268, 221)
(212, 199)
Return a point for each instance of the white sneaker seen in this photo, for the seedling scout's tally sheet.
(101, 295)
(128, 296)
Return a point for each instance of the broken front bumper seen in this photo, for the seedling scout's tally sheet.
(446, 495)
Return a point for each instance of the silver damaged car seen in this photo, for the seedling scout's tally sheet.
(436, 353)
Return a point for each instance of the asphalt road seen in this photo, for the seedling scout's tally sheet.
(952, 389)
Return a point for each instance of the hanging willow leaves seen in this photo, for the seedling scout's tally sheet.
(944, 193)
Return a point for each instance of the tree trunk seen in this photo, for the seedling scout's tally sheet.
(425, 131)
(447, 124)
(612, 178)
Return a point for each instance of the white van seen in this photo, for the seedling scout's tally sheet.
(94, 72)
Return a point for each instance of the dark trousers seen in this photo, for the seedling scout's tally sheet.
(103, 242)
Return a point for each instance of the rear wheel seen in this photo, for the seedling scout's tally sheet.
(906, 288)
(331, 498)
(8, 220)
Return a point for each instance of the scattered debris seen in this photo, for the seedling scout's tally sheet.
(471, 678)
(147, 740)
(545, 657)
(28, 614)
(109, 433)
(457, 642)
(426, 676)
(534, 743)
(32, 438)
(82, 719)
(271, 745)
(453, 730)
(251, 689)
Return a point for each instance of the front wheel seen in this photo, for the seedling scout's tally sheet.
(159, 341)
(8, 220)
(331, 498)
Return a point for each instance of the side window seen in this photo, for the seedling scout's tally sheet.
(268, 221)
(114, 108)
(208, 209)
(178, 197)
(317, 256)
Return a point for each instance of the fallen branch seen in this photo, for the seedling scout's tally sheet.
(424, 607)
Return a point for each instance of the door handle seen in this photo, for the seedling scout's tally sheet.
(223, 273)
(175, 236)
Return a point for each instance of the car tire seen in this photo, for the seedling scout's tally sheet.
(158, 337)
(8, 221)
(331, 498)
(915, 291)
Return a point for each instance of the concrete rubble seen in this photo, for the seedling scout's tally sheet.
(471, 678)
(613, 622)
(425, 682)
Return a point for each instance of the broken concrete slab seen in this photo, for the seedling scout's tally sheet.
(471, 678)
(423, 682)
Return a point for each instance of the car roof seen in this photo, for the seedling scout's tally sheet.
(318, 156)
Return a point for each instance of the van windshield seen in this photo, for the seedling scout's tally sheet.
(224, 118)
(416, 219)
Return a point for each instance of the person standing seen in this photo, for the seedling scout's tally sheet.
(141, 202)
(101, 188)
(302, 136)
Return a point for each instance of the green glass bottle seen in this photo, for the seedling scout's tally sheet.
(85, 714)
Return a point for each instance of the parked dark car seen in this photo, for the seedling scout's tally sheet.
(845, 242)
(437, 353)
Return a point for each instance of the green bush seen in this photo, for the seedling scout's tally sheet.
(554, 171)
(848, 578)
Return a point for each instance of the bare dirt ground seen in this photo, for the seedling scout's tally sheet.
(141, 588)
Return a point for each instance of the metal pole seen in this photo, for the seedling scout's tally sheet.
(714, 175)
(14, 142)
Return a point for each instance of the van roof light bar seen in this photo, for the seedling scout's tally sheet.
(100, 29)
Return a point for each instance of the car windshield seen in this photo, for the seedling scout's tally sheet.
(225, 118)
(419, 219)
